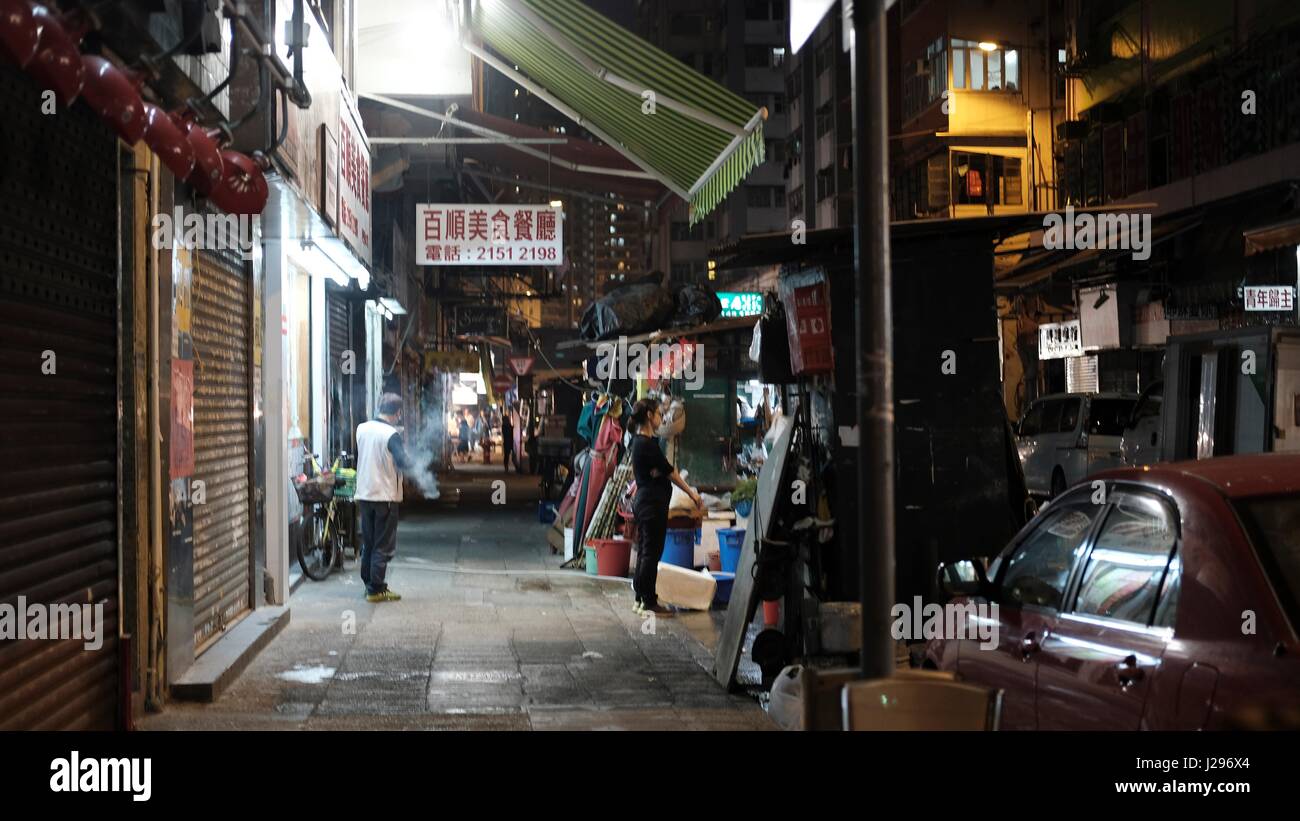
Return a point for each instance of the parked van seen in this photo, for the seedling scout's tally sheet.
(1141, 444)
(1066, 437)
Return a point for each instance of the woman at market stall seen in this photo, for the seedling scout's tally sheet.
(654, 480)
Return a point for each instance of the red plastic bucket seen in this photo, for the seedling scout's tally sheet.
(613, 556)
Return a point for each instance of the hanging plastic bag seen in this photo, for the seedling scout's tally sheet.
(756, 345)
(674, 421)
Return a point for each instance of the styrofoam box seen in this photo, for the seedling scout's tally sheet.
(568, 544)
(685, 588)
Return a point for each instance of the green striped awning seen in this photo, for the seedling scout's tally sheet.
(700, 140)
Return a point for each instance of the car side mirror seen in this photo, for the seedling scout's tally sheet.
(964, 578)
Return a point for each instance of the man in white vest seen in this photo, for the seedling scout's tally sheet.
(380, 457)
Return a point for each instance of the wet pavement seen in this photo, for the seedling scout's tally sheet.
(490, 634)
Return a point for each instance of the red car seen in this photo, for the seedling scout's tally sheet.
(1164, 597)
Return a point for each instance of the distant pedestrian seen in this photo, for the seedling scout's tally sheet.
(380, 457)
(480, 432)
(462, 447)
(508, 442)
(530, 445)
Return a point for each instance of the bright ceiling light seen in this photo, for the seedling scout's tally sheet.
(557, 203)
(310, 256)
(987, 46)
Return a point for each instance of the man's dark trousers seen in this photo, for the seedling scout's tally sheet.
(378, 542)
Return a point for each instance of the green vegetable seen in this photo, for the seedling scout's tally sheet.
(746, 490)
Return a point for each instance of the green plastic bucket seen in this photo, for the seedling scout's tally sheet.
(591, 560)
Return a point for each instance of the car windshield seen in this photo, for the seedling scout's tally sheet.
(1108, 417)
(1274, 527)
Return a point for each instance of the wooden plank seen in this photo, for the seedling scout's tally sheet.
(740, 610)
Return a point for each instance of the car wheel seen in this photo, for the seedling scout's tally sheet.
(1058, 483)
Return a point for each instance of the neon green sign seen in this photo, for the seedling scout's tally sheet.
(744, 303)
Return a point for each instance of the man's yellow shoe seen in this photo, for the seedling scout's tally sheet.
(387, 595)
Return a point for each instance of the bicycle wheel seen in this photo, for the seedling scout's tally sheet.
(316, 554)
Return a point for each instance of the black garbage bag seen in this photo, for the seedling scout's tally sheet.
(632, 309)
(696, 305)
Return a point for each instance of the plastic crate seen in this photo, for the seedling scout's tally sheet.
(345, 483)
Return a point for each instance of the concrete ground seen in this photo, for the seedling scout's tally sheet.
(490, 634)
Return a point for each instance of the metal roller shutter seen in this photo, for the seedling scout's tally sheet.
(340, 396)
(222, 407)
(58, 443)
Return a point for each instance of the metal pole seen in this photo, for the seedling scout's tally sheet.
(875, 387)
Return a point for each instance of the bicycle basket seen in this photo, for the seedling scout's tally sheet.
(319, 489)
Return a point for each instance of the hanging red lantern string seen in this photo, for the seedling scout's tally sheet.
(20, 33)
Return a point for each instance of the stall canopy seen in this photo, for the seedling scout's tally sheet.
(692, 134)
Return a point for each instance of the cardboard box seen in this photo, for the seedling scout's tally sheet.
(709, 538)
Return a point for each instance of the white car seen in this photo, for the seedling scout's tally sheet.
(1064, 438)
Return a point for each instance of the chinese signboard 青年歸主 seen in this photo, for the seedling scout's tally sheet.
(1269, 297)
(488, 234)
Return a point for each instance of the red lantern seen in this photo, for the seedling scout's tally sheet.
(243, 189)
(208, 168)
(114, 96)
(20, 33)
(165, 138)
(57, 64)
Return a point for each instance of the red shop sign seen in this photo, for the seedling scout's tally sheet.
(809, 329)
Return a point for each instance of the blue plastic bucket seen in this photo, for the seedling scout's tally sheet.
(725, 581)
(730, 541)
(743, 508)
(679, 547)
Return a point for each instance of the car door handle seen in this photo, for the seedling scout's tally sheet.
(1128, 672)
(1028, 646)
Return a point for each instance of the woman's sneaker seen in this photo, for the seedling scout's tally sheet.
(659, 610)
(387, 595)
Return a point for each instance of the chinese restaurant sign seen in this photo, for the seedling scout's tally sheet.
(354, 181)
(741, 304)
(1269, 298)
(458, 234)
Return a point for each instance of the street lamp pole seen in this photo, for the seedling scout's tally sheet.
(865, 21)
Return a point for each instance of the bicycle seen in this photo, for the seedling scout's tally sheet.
(328, 529)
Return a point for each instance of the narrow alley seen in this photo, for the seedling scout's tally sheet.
(490, 634)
